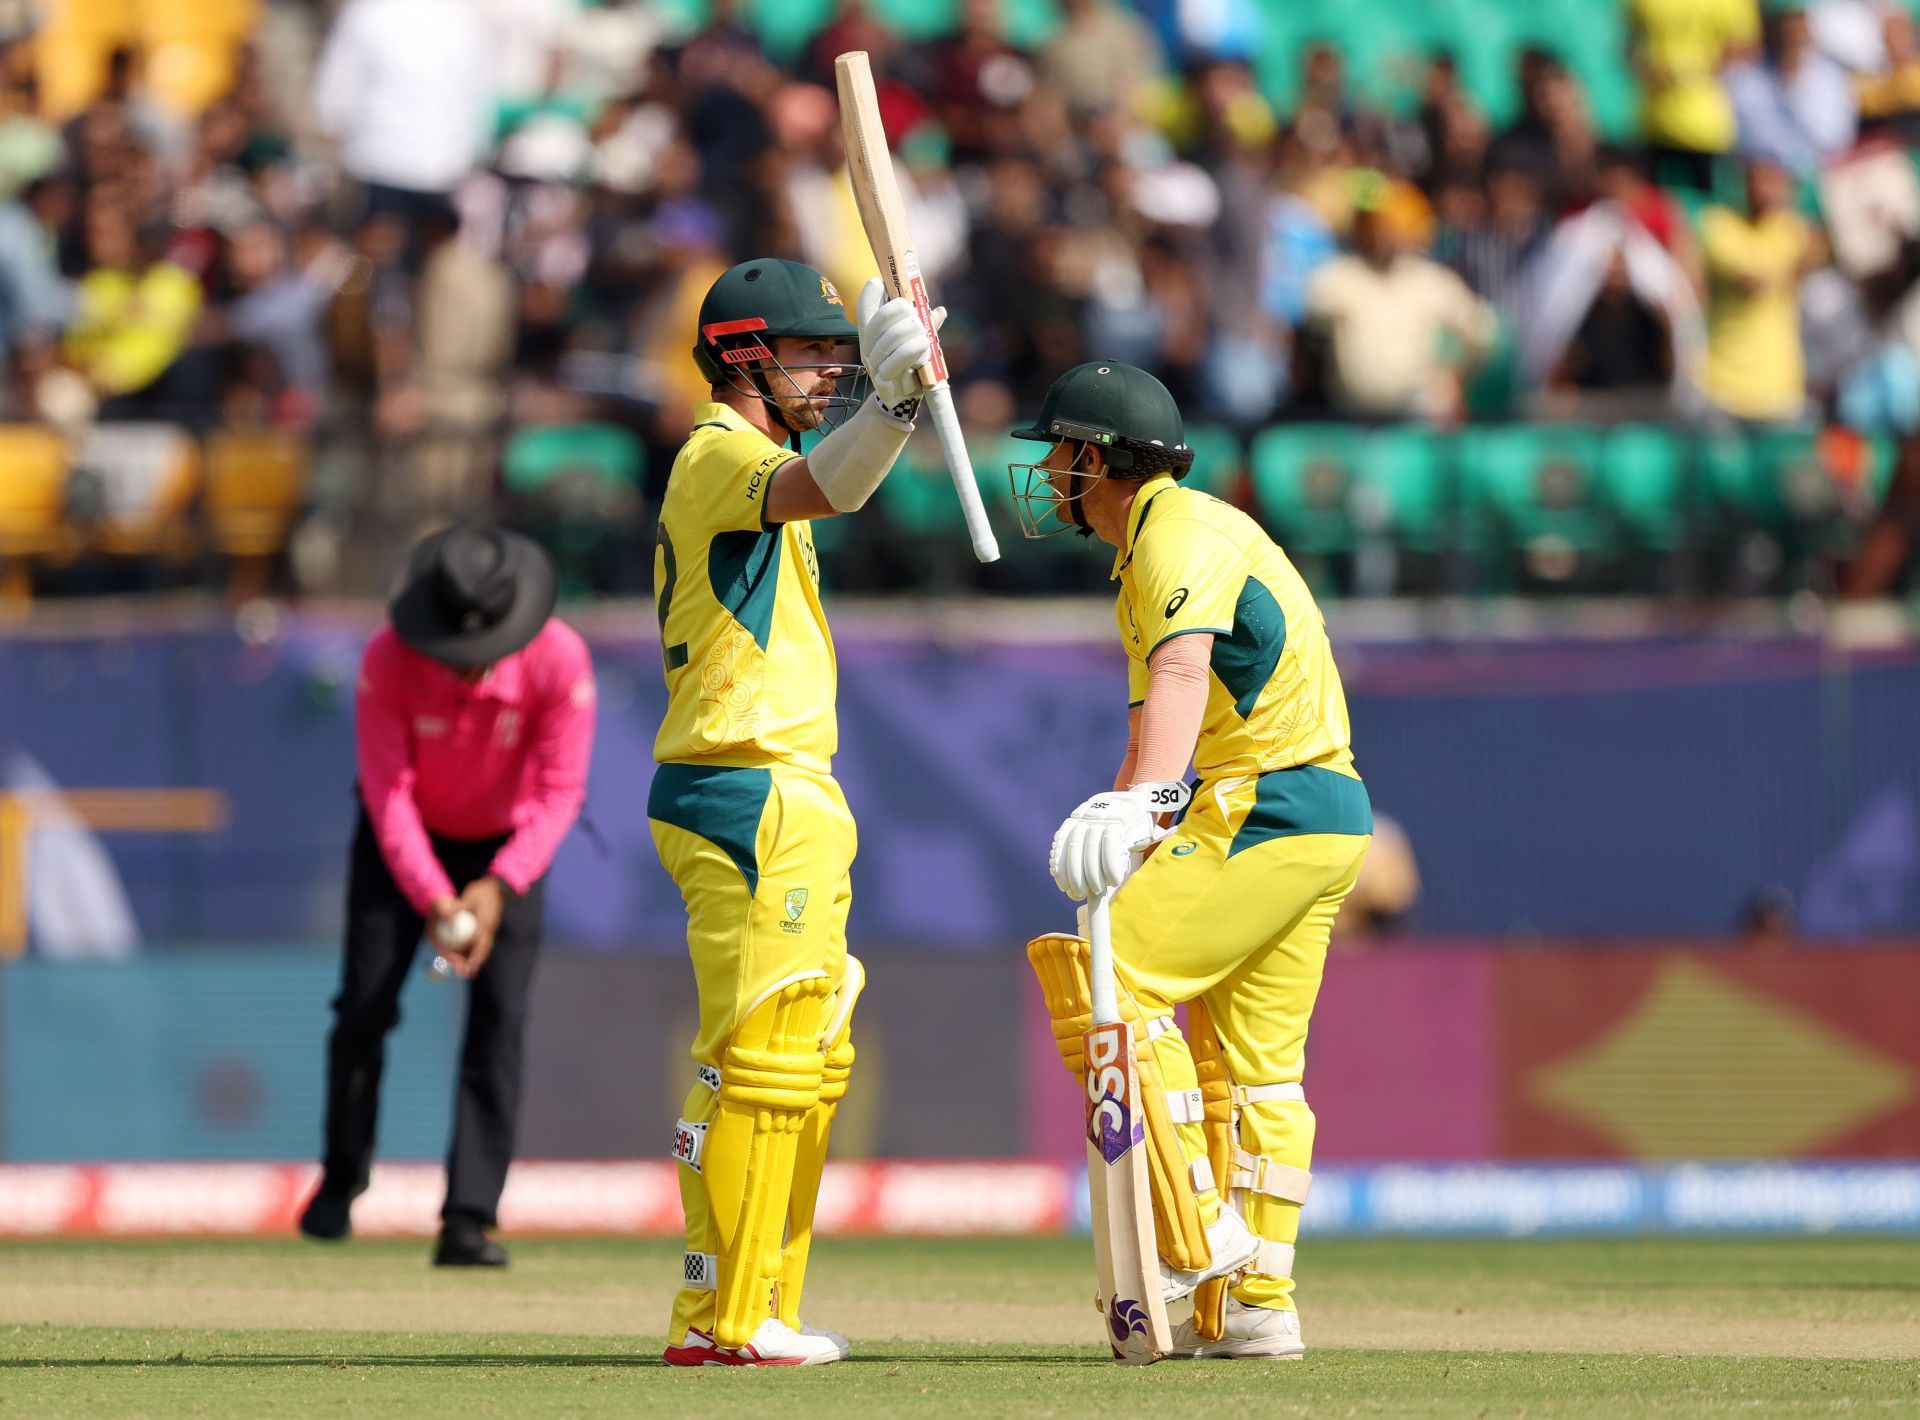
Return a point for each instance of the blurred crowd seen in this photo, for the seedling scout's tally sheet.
(412, 227)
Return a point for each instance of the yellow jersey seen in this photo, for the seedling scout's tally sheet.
(1680, 46)
(1274, 701)
(749, 660)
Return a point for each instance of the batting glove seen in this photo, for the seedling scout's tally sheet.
(1093, 851)
(893, 344)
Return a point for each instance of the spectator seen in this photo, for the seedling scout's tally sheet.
(1387, 314)
(134, 324)
(1756, 371)
(1553, 140)
(277, 310)
(1890, 99)
(1620, 362)
(1102, 56)
(1490, 258)
(1611, 320)
(1794, 106)
(978, 81)
(406, 88)
(446, 345)
(1679, 50)
(36, 301)
(1620, 178)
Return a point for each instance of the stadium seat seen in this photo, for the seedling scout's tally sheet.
(33, 497)
(1404, 486)
(1219, 460)
(1531, 495)
(1304, 477)
(145, 477)
(1775, 480)
(537, 456)
(1643, 480)
(255, 483)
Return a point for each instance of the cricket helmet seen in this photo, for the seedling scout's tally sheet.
(758, 301)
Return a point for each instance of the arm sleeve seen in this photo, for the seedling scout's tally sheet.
(1169, 723)
(1186, 578)
(383, 748)
(556, 770)
(728, 480)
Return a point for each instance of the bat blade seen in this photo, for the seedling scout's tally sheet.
(884, 216)
(1125, 1252)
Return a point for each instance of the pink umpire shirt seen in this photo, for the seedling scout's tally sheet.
(506, 756)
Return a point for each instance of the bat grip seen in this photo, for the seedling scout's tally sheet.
(953, 444)
(1106, 1000)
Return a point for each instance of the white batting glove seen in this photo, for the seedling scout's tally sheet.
(1093, 851)
(893, 344)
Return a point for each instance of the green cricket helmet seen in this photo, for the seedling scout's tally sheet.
(1120, 409)
(758, 301)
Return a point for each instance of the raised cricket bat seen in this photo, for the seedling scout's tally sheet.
(870, 165)
(1126, 1255)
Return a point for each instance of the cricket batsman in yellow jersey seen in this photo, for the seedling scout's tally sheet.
(1229, 913)
(744, 810)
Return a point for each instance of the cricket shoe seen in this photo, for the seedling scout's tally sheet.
(1233, 1246)
(774, 1343)
(1249, 1331)
(840, 1343)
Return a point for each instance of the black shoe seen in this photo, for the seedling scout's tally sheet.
(464, 1243)
(328, 1216)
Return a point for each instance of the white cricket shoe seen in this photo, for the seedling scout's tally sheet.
(774, 1343)
(841, 1344)
(1249, 1331)
(1233, 1246)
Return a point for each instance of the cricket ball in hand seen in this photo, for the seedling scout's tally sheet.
(459, 930)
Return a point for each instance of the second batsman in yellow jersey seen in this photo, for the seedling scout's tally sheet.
(1229, 910)
(744, 809)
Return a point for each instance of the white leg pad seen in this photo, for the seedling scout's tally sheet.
(1273, 1260)
(1259, 1174)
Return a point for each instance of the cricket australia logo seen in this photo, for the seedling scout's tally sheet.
(796, 904)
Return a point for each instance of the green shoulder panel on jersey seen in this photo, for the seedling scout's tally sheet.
(719, 803)
(1307, 799)
(1245, 660)
(744, 571)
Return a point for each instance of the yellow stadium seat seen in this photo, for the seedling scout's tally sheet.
(72, 70)
(33, 497)
(166, 21)
(110, 21)
(254, 485)
(190, 75)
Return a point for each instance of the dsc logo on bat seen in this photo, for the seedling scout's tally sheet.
(1112, 1126)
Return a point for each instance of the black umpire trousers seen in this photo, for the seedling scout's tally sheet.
(383, 938)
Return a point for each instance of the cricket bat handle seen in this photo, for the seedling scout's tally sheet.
(953, 444)
(1106, 1000)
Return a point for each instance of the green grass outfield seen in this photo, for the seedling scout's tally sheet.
(1552, 1328)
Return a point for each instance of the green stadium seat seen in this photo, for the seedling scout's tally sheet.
(538, 455)
(1404, 485)
(1219, 460)
(1643, 480)
(1774, 480)
(1304, 477)
(1528, 488)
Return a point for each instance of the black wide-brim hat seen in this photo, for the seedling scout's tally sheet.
(473, 596)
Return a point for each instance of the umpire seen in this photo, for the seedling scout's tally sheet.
(473, 728)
